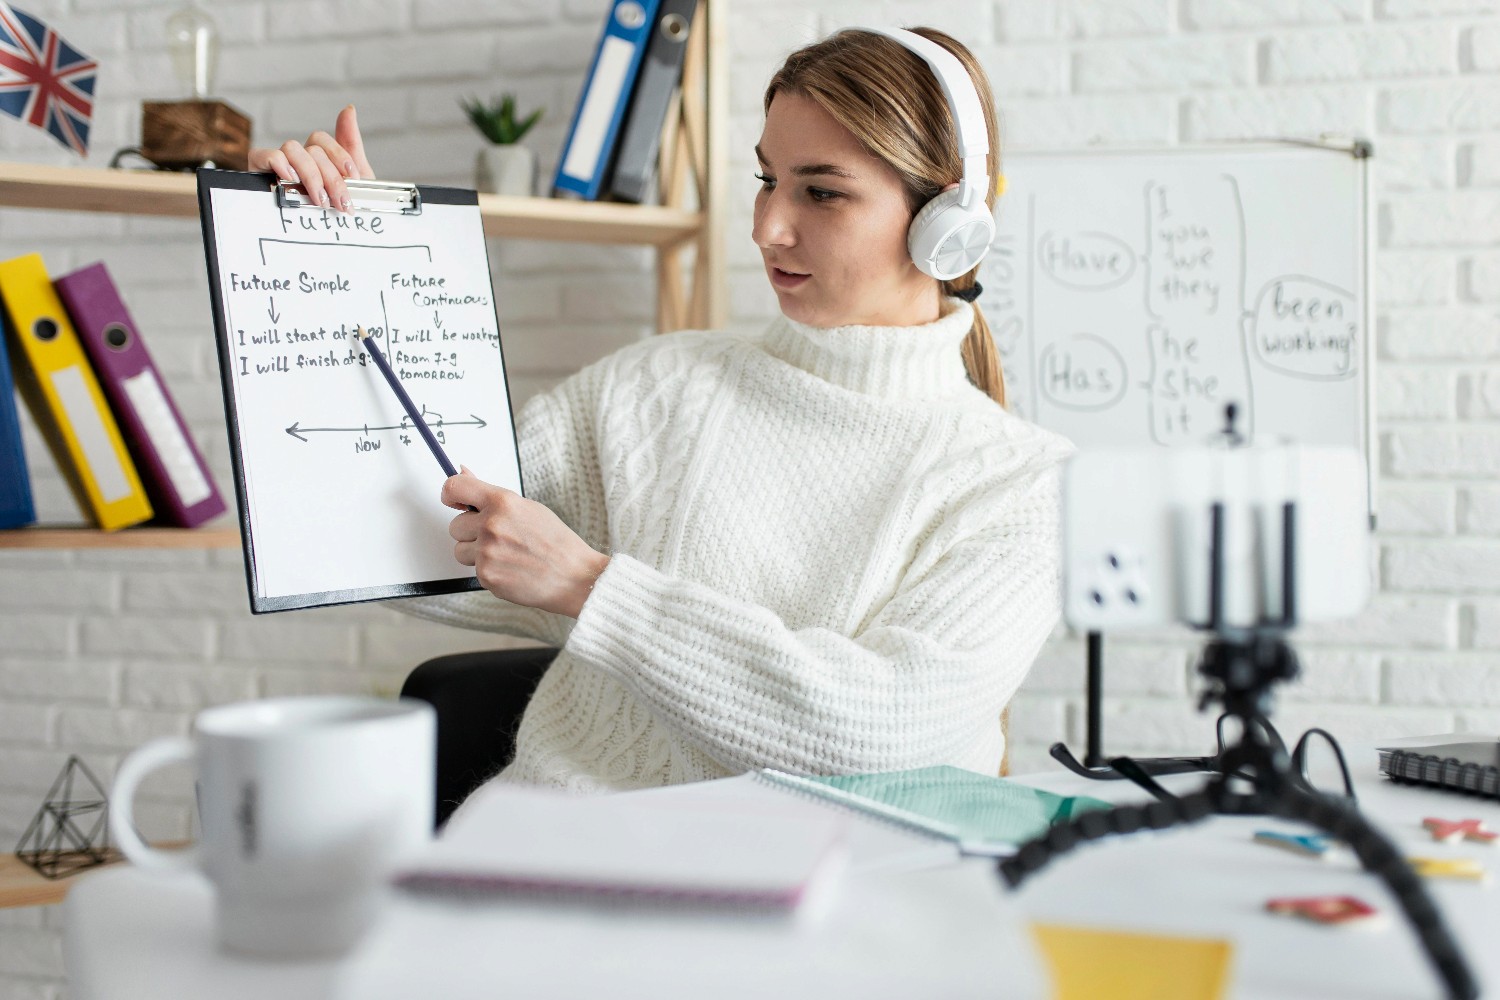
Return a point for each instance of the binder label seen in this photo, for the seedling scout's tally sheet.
(615, 56)
(150, 402)
(99, 454)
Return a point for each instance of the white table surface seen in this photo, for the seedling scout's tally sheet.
(132, 935)
(1212, 880)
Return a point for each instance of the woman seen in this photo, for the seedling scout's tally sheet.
(824, 548)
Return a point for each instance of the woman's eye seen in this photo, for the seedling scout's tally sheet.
(822, 194)
(766, 182)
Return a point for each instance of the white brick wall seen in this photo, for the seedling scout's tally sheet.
(101, 650)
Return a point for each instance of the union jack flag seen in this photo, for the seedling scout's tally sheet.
(44, 81)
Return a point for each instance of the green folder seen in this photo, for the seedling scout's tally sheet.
(982, 815)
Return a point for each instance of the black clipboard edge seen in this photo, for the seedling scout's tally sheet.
(210, 180)
(333, 598)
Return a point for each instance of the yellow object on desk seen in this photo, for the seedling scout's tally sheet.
(1088, 963)
(1457, 868)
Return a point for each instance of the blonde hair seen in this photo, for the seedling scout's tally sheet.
(886, 95)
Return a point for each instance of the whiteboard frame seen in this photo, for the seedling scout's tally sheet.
(1356, 147)
(210, 180)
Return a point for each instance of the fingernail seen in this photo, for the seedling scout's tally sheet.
(323, 199)
(346, 203)
(349, 170)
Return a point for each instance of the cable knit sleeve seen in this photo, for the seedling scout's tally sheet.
(556, 434)
(921, 683)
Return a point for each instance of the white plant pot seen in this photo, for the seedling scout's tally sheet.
(506, 170)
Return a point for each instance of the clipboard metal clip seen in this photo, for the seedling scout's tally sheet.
(365, 196)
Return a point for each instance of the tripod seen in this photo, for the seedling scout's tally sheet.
(1241, 665)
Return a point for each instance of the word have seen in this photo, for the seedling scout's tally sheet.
(1086, 260)
(306, 282)
(1063, 257)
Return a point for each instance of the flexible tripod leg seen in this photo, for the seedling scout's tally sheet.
(1034, 855)
(1375, 852)
(1380, 857)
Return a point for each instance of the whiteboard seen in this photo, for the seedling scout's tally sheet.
(338, 494)
(1132, 294)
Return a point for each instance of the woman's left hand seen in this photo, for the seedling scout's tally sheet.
(521, 551)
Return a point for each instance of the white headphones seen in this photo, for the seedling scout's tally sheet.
(952, 232)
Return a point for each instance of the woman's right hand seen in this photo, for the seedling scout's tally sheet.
(322, 163)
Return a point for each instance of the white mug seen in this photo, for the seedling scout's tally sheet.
(305, 804)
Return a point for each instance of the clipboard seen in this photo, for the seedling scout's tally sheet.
(337, 493)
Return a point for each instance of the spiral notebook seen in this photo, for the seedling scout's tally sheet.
(976, 813)
(539, 845)
(1467, 766)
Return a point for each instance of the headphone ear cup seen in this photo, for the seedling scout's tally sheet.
(946, 240)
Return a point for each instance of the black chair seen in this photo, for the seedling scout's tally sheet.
(479, 698)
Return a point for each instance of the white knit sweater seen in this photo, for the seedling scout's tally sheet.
(830, 553)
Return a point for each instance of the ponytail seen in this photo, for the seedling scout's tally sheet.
(981, 358)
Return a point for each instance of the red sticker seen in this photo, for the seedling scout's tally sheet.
(1323, 909)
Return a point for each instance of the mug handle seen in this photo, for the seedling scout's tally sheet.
(141, 762)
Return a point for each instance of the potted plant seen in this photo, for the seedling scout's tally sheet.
(505, 166)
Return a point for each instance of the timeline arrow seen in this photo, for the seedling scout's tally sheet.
(275, 316)
(297, 430)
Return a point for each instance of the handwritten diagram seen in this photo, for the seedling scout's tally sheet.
(433, 351)
(1132, 297)
(311, 415)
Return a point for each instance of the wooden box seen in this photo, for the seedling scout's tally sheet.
(183, 135)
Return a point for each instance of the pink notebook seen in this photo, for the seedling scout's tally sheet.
(530, 844)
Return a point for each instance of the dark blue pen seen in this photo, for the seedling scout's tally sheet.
(410, 407)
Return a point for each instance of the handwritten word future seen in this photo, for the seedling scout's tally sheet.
(306, 282)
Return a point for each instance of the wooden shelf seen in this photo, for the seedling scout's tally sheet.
(81, 537)
(692, 292)
(143, 192)
(22, 885)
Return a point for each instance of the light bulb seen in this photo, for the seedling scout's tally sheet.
(194, 40)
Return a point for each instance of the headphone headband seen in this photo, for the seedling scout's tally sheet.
(963, 100)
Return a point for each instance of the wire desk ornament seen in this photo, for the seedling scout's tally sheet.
(69, 833)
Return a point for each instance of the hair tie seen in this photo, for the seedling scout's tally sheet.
(971, 293)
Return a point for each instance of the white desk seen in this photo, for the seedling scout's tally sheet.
(1211, 880)
(129, 935)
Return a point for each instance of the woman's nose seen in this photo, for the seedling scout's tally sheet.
(772, 226)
